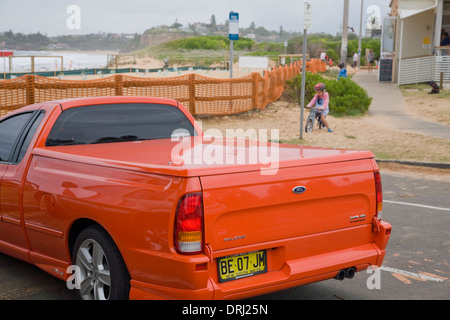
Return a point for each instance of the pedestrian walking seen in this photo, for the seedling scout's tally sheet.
(371, 60)
(355, 60)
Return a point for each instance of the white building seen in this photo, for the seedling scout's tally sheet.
(412, 38)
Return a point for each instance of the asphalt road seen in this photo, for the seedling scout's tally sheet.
(417, 262)
(416, 266)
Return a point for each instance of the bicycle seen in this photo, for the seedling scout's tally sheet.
(313, 115)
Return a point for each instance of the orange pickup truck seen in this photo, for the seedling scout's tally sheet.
(105, 193)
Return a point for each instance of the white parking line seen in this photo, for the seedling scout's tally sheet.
(412, 274)
(417, 205)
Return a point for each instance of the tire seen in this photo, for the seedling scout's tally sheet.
(103, 274)
(309, 124)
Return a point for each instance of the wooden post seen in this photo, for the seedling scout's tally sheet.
(118, 85)
(192, 85)
(30, 91)
(255, 90)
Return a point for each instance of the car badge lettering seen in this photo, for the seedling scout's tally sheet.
(357, 218)
(240, 237)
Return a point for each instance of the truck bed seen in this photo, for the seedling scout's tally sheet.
(156, 156)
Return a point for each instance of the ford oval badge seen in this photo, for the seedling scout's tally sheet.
(299, 189)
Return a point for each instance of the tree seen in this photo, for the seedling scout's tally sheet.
(213, 24)
(261, 31)
(176, 25)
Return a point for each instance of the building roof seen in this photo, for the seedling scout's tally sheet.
(407, 8)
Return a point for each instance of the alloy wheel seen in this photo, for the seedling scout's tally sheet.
(95, 277)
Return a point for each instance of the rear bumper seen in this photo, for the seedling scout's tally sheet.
(294, 273)
(290, 264)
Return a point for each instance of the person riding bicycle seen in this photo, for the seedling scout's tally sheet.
(321, 99)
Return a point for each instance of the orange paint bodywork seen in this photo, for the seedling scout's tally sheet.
(132, 190)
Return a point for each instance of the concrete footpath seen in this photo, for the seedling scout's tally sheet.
(388, 106)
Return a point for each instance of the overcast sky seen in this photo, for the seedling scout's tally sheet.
(57, 17)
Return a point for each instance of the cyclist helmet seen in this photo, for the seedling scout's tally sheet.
(319, 87)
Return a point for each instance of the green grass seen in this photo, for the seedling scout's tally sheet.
(430, 106)
(208, 50)
(421, 88)
(421, 150)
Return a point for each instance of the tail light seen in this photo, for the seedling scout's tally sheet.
(378, 193)
(188, 231)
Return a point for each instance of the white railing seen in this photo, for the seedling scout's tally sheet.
(423, 69)
(441, 64)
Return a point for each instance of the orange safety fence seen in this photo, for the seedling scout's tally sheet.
(200, 95)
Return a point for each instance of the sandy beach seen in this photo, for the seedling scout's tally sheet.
(149, 63)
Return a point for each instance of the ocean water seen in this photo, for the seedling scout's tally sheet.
(51, 61)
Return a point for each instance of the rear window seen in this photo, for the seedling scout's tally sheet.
(117, 123)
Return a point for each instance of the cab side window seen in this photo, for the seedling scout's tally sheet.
(10, 130)
(29, 137)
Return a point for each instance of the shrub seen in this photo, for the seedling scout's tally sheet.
(346, 97)
(209, 43)
(332, 55)
(196, 43)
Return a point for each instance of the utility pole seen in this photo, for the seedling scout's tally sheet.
(344, 33)
(360, 32)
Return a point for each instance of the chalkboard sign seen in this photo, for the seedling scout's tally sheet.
(385, 69)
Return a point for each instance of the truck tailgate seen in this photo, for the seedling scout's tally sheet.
(248, 208)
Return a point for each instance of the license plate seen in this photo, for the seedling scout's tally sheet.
(242, 265)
